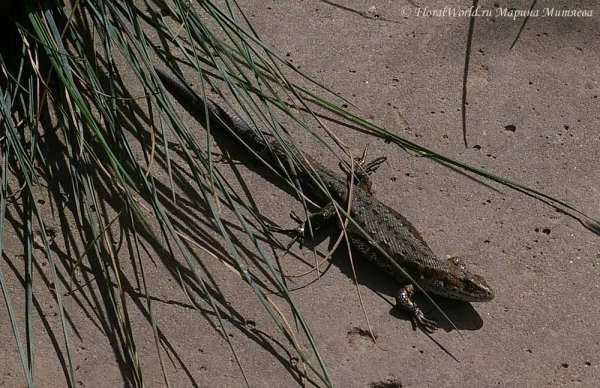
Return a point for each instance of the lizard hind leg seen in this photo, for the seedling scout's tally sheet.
(309, 226)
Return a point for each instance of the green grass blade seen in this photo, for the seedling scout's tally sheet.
(6, 151)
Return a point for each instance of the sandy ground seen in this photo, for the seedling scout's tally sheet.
(531, 116)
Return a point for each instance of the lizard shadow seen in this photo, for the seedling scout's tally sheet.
(462, 314)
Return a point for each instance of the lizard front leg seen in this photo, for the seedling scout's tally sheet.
(364, 169)
(404, 301)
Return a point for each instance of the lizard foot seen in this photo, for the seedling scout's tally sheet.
(363, 169)
(298, 233)
(403, 300)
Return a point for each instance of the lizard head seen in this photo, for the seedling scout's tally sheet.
(457, 282)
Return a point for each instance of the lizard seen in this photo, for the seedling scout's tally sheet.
(387, 228)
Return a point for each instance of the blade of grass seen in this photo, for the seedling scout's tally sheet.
(6, 147)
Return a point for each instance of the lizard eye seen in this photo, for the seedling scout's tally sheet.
(469, 285)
